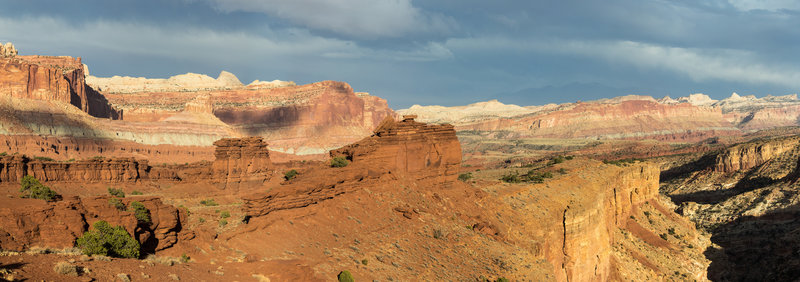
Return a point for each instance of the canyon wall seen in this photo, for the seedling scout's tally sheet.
(631, 119)
(13, 168)
(28, 222)
(590, 222)
(51, 79)
(238, 161)
(749, 155)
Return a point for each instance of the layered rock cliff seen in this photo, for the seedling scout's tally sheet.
(418, 150)
(751, 154)
(27, 222)
(241, 162)
(13, 168)
(51, 79)
(398, 150)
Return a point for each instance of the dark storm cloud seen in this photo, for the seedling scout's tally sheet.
(448, 52)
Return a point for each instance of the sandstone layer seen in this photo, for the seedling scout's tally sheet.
(27, 222)
(413, 151)
(241, 162)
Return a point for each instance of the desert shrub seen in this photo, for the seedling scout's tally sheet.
(185, 258)
(537, 177)
(465, 176)
(201, 220)
(135, 192)
(3, 154)
(345, 276)
(65, 268)
(116, 192)
(569, 157)
(339, 162)
(289, 175)
(209, 202)
(107, 240)
(223, 222)
(511, 177)
(140, 212)
(364, 261)
(43, 158)
(117, 203)
(562, 170)
(32, 188)
(98, 158)
(438, 233)
(501, 279)
(663, 236)
(225, 214)
(671, 231)
(557, 160)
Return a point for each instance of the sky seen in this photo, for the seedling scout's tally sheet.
(434, 52)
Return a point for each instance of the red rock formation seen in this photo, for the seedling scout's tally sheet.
(410, 148)
(634, 119)
(13, 168)
(65, 148)
(405, 150)
(51, 79)
(241, 161)
(28, 222)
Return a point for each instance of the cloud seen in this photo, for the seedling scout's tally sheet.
(207, 45)
(769, 5)
(364, 19)
(699, 64)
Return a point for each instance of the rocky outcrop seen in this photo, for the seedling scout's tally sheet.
(13, 168)
(631, 119)
(25, 223)
(428, 155)
(66, 148)
(7, 50)
(241, 161)
(58, 79)
(749, 155)
(188, 82)
(589, 223)
(257, 84)
(418, 150)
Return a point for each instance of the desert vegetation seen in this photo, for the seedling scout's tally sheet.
(32, 188)
(106, 240)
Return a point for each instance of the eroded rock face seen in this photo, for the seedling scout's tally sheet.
(241, 161)
(51, 79)
(749, 155)
(183, 82)
(428, 155)
(418, 150)
(7, 50)
(13, 168)
(29, 222)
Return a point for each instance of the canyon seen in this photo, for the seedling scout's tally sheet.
(274, 181)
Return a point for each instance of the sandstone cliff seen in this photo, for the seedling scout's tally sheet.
(241, 162)
(27, 222)
(13, 168)
(189, 82)
(410, 148)
(749, 155)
